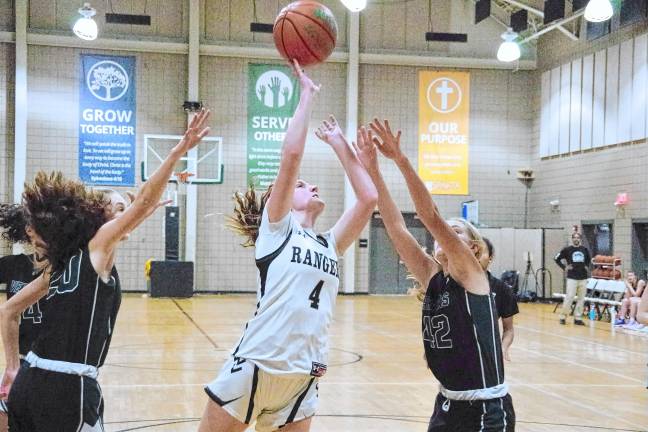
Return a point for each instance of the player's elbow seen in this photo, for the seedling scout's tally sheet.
(369, 198)
(6, 315)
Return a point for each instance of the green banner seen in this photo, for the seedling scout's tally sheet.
(273, 95)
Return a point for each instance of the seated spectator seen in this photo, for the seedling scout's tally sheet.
(642, 312)
(630, 304)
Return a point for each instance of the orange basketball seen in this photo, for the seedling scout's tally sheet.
(306, 31)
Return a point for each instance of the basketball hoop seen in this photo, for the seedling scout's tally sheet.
(183, 179)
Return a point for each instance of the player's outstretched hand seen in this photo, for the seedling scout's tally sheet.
(365, 148)
(388, 144)
(132, 197)
(196, 131)
(330, 132)
(306, 84)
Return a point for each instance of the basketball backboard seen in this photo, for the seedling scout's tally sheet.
(208, 166)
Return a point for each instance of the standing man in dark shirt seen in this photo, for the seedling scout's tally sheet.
(505, 301)
(578, 261)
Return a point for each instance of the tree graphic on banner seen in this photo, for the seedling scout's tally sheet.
(108, 78)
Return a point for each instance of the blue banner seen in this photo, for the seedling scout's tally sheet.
(107, 108)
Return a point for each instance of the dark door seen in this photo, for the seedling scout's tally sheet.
(598, 237)
(387, 273)
(640, 248)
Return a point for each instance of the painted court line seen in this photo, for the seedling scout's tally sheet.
(580, 365)
(577, 339)
(362, 383)
(596, 410)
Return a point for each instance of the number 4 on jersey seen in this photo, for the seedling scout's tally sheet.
(314, 296)
(33, 313)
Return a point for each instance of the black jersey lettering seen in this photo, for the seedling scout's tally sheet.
(318, 260)
(307, 258)
(296, 257)
(325, 265)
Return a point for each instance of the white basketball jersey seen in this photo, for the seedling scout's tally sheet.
(298, 279)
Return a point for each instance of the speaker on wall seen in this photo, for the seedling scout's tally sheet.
(520, 20)
(553, 10)
(482, 10)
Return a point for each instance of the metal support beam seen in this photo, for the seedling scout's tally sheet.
(20, 105)
(553, 26)
(541, 14)
(353, 71)
(193, 94)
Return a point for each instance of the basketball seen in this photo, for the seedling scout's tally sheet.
(305, 31)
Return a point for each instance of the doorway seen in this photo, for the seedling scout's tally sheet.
(387, 273)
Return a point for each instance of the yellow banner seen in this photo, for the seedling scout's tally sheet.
(444, 114)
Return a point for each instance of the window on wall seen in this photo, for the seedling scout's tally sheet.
(596, 101)
(633, 11)
(626, 12)
(596, 30)
(598, 237)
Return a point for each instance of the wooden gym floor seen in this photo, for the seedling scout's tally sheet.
(562, 378)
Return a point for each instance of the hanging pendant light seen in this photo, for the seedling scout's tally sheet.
(86, 27)
(354, 5)
(598, 10)
(509, 50)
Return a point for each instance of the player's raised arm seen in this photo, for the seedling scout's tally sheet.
(418, 263)
(280, 200)
(148, 198)
(351, 223)
(462, 262)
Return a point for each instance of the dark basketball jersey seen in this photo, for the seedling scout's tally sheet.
(81, 313)
(505, 301)
(461, 336)
(17, 271)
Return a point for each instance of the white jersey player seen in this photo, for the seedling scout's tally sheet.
(272, 376)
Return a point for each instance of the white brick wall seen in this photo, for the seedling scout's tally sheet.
(586, 183)
(222, 263)
(504, 124)
(52, 140)
(6, 15)
(500, 120)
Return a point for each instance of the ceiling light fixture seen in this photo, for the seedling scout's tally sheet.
(509, 50)
(598, 10)
(86, 27)
(354, 5)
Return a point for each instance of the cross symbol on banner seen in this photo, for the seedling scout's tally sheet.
(444, 91)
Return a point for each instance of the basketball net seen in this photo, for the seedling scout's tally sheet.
(183, 180)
